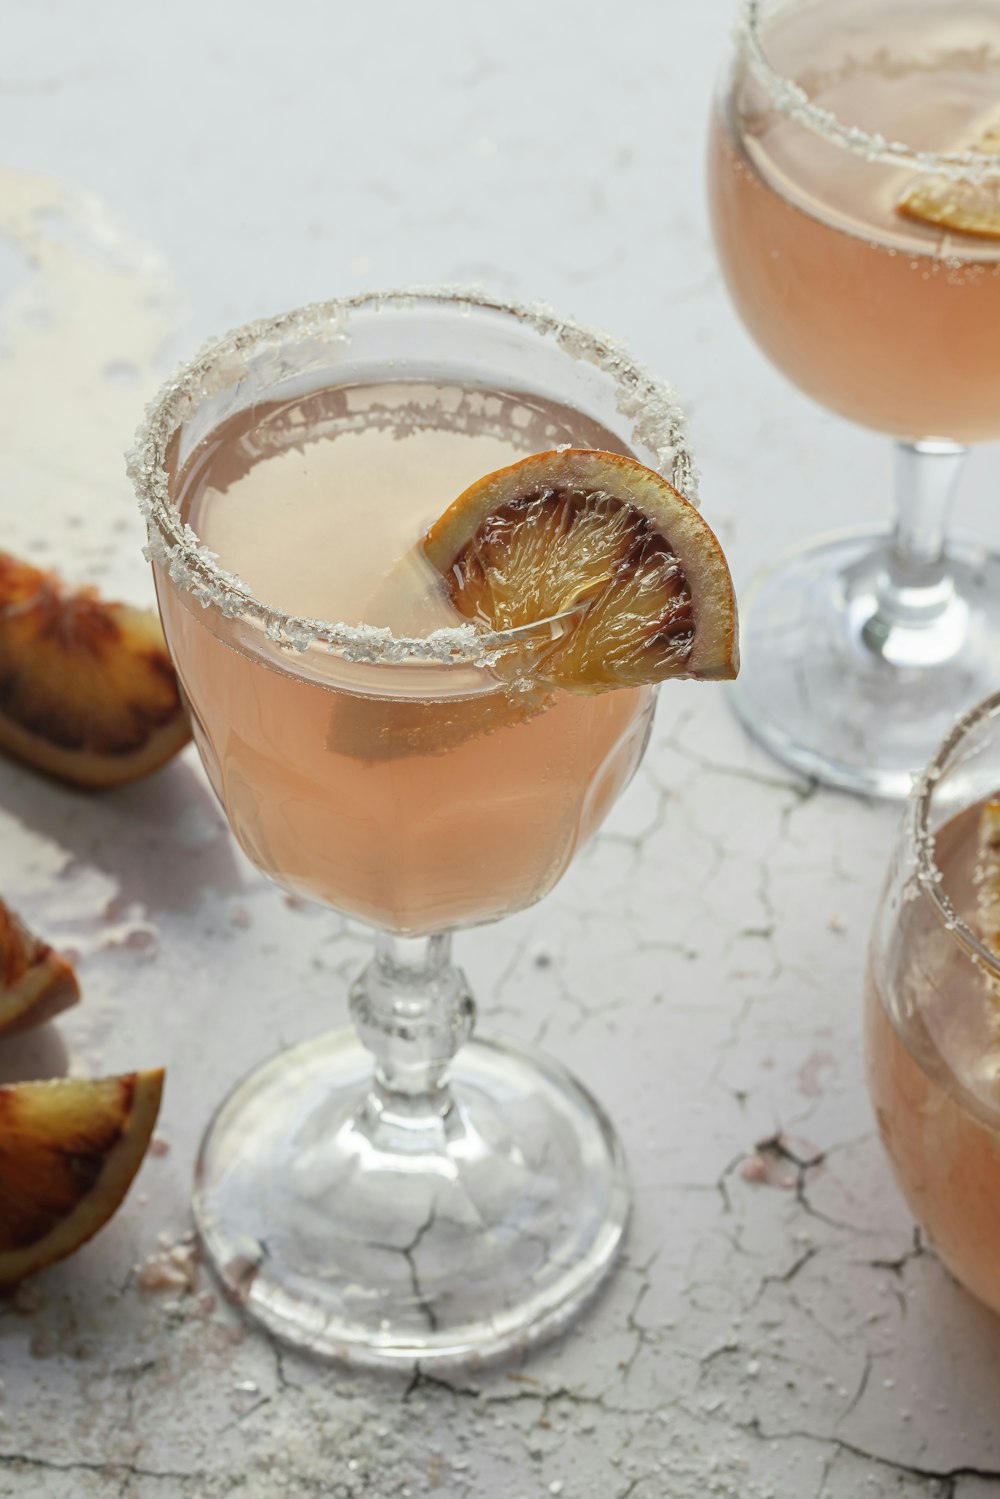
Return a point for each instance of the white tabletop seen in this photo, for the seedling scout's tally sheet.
(780, 1338)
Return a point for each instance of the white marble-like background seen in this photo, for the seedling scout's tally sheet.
(700, 967)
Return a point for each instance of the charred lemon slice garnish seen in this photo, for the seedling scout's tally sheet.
(605, 542)
(952, 203)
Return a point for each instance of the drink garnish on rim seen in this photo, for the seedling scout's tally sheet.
(602, 536)
(967, 207)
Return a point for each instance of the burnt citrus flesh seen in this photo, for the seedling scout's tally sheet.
(602, 539)
(69, 1150)
(87, 689)
(952, 203)
(35, 981)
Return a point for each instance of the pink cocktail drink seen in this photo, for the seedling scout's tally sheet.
(938, 1112)
(885, 319)
(418, 797)
(932, 1009)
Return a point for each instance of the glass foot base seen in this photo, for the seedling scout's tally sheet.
(826, 692)
(378, 1239)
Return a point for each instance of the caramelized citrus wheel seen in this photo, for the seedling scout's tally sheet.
(599, 535)
(87, 690)
(949, 203)
(68, 1152)
(35, 982)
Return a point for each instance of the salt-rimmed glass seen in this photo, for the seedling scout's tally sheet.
(861, 647)
(933, 1006)
(373, 1195)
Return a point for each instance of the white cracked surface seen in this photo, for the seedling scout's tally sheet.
(774, 1329)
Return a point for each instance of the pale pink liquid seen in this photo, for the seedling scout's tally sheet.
(416, 797)
(892, 323)
(933, 1055)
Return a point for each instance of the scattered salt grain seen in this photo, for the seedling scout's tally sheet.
(173, 1268)
(27, 1300)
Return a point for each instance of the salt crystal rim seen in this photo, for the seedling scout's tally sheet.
(651, 405)
(927, 873)
(792, 100)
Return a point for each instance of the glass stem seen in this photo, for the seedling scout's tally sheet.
(413, 1010)
(915, 621)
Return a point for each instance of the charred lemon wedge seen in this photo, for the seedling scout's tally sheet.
(69, 1150)
(87, 690)
(603, 540)
(952, 203)
(36, 983)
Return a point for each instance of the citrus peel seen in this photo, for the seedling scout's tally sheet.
(36, 982)
(69, 1150)
(608, 547)
(966, 207)
(88, 693)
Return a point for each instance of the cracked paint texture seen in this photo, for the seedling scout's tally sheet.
(775, 1329)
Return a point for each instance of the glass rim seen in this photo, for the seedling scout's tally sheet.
(642, 397)
(792, 100)
(928, 874)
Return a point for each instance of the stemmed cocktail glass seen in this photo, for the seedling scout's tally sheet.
(835, 116)
(400, 1192)
(933, 1003)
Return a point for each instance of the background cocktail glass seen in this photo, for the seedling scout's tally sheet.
(933, 1007)
(860, 648)
(373, 1195)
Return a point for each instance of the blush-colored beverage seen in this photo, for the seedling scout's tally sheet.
(933, 1056)
(417, 796)
(888, 321)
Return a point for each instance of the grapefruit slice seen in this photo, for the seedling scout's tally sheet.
(68, 1152)
(951, 203)
(603, 541)
(36, 983)
(87, 690)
